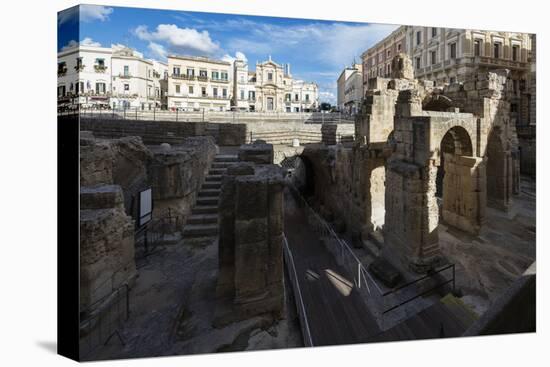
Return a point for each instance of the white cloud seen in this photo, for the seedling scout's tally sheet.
(157, 51)
(238, 56)
(327, 96)
(90, 13)
(179, 40)
(87, 41)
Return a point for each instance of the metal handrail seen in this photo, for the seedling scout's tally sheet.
(294, 277)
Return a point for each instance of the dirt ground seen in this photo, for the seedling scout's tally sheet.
(172, 307)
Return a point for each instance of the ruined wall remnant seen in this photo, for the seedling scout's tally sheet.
(422, 155)
(112, 173)
(106, 243)
(251, 239)
(177, 172)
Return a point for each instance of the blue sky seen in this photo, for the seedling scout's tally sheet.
(317, 50)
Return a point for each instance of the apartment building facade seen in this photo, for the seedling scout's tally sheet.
(377, 59)
(447, 55)
(198, 83)
(115, 77)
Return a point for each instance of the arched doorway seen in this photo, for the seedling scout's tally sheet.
(457, 182)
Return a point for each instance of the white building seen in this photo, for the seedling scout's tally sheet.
(271, 88)
(350, 89)
(135, 80)
(109, 76)
(83, 76)
(196, 83)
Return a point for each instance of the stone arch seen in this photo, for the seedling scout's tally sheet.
(300, 173)
(437, 102)
(458, 181)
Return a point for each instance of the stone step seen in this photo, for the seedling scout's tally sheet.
(200, 230)
(215, 178)
(221, 164)
(211, 185)
(203, 219)
(226, 158)
(209, 193)
(217, 171)
(207, 201)
(205, 209)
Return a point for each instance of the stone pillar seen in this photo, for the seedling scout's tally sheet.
(412, 214)
(464, 187)
(250, 280)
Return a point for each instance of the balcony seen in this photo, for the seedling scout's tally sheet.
(125, 76)
(202, 78)
(219, 80)
(61, 72)
(500, 63)
(100, 68)
(183, 76)
(79, 67)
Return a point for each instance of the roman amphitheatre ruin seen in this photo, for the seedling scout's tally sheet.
(411, 221)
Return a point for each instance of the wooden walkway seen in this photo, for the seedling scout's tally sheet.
(336, 312)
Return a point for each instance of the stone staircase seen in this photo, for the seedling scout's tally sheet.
(203, 221)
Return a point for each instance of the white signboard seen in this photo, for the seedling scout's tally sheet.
(145, 206)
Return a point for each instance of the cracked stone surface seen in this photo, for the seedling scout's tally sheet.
(172, 308)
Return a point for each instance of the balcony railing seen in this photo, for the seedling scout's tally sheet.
(183, 76)
(125, 76)
(219, 80)
(61, 72)
(202, 78)
(100, 68)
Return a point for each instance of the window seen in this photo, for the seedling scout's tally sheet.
(496, 50)
(61, 91)
(126, 87)
(100, 88)
(178, 89)
(434, 31)
(433, 57)
(242, 93)
(203, 91)
(215, 75)
(190, 72)
(100, 62)
(224, 93)
(149, 74)
(176, 70)
(288, 97)
(79, 65)
(80, 87)
(515, 86)
(389, 53)
(203, 73)
(399, 48)
(191, 89)
(307, 97)
(418, 62)
(126, 70)
(61, 68)
(224, 75)
(418, 37)
(477, 47)
(215, 92)
(452, 50)
(296, 97)
(270, 76)
(515, 52)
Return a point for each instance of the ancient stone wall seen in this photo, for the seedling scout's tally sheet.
(177, 172)
(151, 132)
(250, 280)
